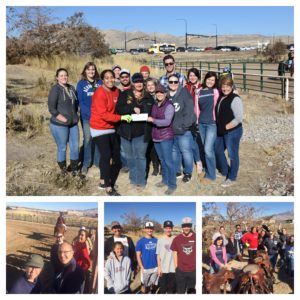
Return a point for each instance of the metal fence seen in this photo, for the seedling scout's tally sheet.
(248, 75)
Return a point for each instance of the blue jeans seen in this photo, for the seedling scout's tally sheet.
(208, 134)
(273, 259)
(231, 142)
(135, 155)
(62, 136)
(183, 145)
(89, 147)
(163, 150)
(196, 150)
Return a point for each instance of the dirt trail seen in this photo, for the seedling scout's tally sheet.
(266, 166)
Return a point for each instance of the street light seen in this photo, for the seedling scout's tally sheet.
(185, 21)
(216, 34)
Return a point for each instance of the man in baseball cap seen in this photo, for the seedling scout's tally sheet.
(129, 248)
(184, 253)
(29, 282)
(165, 261)
(146, 257)
(125, 83)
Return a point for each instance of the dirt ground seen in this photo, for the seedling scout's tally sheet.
(32, 170)
(24, 238)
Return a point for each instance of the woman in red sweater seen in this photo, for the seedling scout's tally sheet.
(102, 125)
(250, 239)
(81, 253)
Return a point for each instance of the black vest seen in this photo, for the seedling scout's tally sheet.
(224, 114)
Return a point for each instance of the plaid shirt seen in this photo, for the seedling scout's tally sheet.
(164, 80)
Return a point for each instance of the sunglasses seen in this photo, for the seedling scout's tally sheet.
(169, 64)
(173, 81)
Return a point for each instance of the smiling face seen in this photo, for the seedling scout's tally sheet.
(160, 97)
(118, 250)
(62, 77)
(125, 79)
(117, 72)
(226, 89)
(149, 231)
(186, 230)
(150, 86)
(32, 273)
(193, 79)
(65, 253)
(168, 231)
(138, 86)
(82, 236)
(90, 73)
(108, 80)
(116, 231)
(210, 82)
(169, 65)
(173, 82)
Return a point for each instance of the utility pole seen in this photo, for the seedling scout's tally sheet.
(185, 21)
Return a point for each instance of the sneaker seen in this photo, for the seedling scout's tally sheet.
(227, 183)
(187, 178)
(178, 175)
(101, 186)
(84, 171)
(112, 192)
(170, 191)
(160, 184)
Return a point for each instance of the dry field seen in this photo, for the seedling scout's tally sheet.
(24, 238)
(31, 167)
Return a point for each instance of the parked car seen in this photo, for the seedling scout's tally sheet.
(209, 49)
(134, 51)
(180, 49)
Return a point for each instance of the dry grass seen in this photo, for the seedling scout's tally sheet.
(28, 118)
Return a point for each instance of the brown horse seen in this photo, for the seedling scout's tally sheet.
(59, 228)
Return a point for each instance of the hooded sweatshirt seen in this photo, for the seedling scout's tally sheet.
(117, 273)
(184, 111)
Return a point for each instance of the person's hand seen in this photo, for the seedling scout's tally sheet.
(159, 272)
(137, 110)
(127, 118)
(61, 118)
(150, 119)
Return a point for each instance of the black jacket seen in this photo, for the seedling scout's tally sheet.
(70, 280)
(60, 102)
(125, 105)
(108, 247)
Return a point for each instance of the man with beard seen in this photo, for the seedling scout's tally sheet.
(165, 261)
(29, 282)
(184, 254)
(125, 83)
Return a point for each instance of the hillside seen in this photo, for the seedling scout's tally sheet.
(116, 39)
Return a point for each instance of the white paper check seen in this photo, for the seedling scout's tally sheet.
(139, 117)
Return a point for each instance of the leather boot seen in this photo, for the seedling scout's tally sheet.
(74, 167)
(63, 167)
(155, 170)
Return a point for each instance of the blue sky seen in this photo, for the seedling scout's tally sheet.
(159, 211)
(270, 20)
(57, 206)
(267, 208)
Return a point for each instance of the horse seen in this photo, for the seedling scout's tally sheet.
(59, 228)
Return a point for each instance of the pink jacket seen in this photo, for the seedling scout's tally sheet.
(214, 258)
(196, 105)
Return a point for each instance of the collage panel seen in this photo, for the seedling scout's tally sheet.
(248, 247)
(52, 248)
(150, 248)
(200, 126)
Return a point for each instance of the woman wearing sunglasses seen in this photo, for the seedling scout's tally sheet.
(184, 118)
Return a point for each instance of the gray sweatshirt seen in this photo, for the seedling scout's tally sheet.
(184, 111)
(117, 273)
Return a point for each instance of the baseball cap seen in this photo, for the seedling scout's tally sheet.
(82, 228)
(187, 221)
(149, 225)
(145, 69)
(115, 224)
(137, 77)
(115, 67)
(35, 261)
(124, 71)
(168, 224)
(160, 88)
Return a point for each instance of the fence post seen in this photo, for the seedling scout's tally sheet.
(286, 89)
(244, 77)
(261, 77)
(208, 66)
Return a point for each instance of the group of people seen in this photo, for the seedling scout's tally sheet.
(71, 265)
(180, 121)
(166, 265)
(260, 238)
